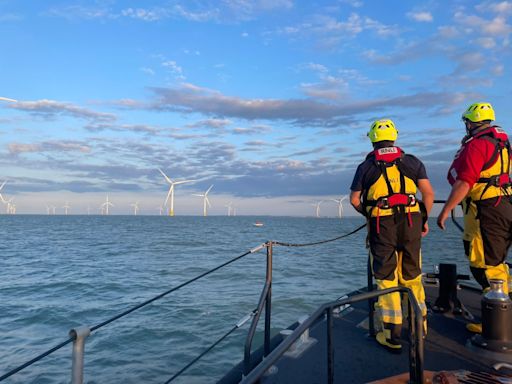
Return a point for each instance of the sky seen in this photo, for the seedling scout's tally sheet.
(269, 101)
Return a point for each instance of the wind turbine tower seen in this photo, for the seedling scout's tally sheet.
(340, 205)
(170, 194)
(66, 207)
(317, 205)
(205, 200)
(229, 206)
(8, 208)
(135, 208)
(105, 205)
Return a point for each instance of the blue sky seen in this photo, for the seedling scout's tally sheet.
(268, 100)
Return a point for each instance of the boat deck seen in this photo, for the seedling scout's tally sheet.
(359, 359)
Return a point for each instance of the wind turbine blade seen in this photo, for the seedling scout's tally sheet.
(1, 186)
(208, 201)
(7, 99)
(166, 177)
(169, 194)
(211, 186)
(184, 181)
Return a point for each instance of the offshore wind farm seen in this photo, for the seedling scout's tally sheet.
(144, 143)
(106, 207)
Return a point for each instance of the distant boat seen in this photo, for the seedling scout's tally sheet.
(258, 224)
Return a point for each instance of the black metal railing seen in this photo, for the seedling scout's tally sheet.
(415, 336)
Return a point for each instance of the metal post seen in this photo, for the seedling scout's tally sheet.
(330, 349)
(77, 366)
(268, 300)
(371, 302)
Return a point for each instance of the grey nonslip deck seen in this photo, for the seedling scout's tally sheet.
(358, 358)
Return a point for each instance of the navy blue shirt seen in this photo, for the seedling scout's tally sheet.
(368, 172)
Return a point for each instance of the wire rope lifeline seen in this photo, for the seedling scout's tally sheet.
(36, 359)
(238, 325)
(319, 242)
(96, 327)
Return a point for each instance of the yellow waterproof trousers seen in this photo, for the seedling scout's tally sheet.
(484, 268)
(390, 306)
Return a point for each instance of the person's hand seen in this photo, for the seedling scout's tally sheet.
(424, 231)
(441, 219)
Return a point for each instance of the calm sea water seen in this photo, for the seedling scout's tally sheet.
(60, 272)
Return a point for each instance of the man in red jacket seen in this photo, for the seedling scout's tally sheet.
(480, 179)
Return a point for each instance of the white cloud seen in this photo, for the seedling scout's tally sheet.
(315, 67)
(497, 27)
(148, 71)
(174, 68)
(51, 108)
(144, 14)
(448, 32)
(80, 12)
(498, 70)
(49, 146)
(421, 16)
(486, 42)
(501, 8)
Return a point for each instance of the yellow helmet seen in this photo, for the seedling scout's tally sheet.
(382, 130)
(479, 112)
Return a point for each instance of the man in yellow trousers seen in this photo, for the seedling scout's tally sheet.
(384, 191)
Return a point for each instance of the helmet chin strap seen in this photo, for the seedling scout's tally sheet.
(474, 127)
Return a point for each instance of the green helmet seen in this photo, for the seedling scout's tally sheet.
(479, 112)
(382, 130)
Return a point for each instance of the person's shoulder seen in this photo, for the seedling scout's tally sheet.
(412, 159)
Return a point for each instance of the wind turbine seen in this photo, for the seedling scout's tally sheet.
(171, 190)
(48, 209)
(105, 205)
(8, 205)
(135, 207)
(317, 205)
(53, 209)
(66, 207)
(205, 200)
(340, 205)
(1, 197)
(160, 209)
(228, 205)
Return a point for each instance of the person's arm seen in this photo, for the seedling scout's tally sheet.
(427, 196)
(459, 191)
(355, 200)
(427, 193)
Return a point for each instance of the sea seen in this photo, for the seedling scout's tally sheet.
(61, 272)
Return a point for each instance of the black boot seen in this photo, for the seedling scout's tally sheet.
(389, 338)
